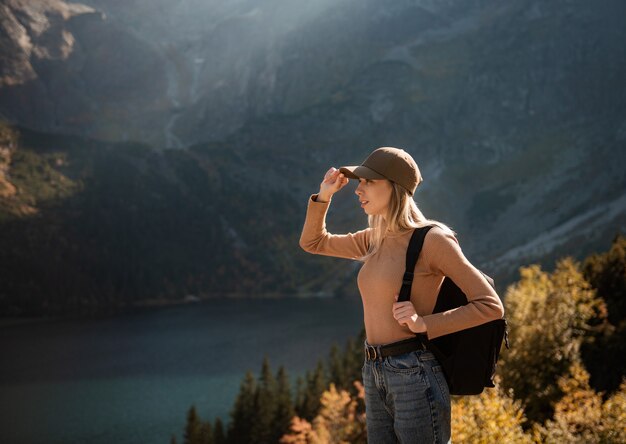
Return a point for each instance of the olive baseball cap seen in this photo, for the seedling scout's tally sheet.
(389, 163)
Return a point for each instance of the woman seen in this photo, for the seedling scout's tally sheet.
(406, 395)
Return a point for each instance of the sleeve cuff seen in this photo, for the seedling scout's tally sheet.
(432, 324)
(313, 199)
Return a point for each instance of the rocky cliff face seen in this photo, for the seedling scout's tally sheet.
(67, 68)
(176, 73)
(33, 31)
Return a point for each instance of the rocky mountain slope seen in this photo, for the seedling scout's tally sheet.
(515, 112)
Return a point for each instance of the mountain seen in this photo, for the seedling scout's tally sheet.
(515, 112)
(90, 227)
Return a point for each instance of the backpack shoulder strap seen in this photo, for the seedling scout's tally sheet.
(412, 254)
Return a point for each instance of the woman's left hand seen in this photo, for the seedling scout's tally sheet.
(405, 314)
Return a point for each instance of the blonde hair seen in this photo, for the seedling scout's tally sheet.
(402, 215)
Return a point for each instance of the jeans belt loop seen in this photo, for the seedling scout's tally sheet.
(371, 352)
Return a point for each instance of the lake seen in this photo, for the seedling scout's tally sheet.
(131, 378)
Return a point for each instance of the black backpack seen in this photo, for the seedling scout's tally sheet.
(468, 357)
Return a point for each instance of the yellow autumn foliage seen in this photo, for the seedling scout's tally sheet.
(580, 416)
(493, 416)
(549, 314)
(338, 421)
(299, 432)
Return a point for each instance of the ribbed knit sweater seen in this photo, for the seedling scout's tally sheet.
(380, 278)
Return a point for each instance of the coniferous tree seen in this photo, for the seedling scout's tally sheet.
(298, 401)
(353, 362)
(193, 427)
(206, 433)
(262, 426)
(244, 412)
(218, 432)
(316, 384)
(284, 405)
(336, 367)
(345, 365)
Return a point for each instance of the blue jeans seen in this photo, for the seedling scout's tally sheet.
(407, 400)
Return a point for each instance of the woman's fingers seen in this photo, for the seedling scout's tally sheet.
(341, 181)
(404, 312)
(402, 309)
(401, 305)
(336, 179)
(331, 172)
(333, 181)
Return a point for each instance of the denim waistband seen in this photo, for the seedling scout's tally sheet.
(379, 352)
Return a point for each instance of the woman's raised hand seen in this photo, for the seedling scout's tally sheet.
(333, 182)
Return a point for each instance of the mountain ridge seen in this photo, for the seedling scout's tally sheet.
(514, 112)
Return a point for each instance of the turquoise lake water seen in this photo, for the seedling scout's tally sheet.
(131, 378)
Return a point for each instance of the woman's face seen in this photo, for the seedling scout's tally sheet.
(374, 195)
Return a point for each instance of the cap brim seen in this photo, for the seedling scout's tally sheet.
(360, 172)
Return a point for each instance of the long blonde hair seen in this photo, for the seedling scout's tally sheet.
(402, 215)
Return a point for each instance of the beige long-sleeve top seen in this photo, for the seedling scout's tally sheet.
(380, 278)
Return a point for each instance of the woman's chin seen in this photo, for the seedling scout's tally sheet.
(368, 212)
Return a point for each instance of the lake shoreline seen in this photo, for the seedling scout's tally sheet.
(153, 304)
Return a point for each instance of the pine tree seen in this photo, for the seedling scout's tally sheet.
(316, 384)
(206, 433)
(353, 361)
(193, 427)
(244, 412)
(262, 427)
(284, 406)
(336, 367)
(218, 432)
(344, 366)
(299, 395)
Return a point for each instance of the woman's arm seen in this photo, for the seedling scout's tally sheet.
(317, 240)
(445, 257)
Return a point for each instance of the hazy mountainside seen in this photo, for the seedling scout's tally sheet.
(515, 112)
(515, 115)
(193, 70)
(111, 226)
(198, 70)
